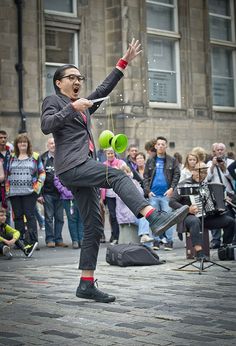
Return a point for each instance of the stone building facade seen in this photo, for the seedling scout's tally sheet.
(187, 103)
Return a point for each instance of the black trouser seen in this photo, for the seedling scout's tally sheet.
(83, 181)
(25, 206)
(193, 225)
(111, 204)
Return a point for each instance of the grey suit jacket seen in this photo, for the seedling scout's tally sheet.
(70, 132)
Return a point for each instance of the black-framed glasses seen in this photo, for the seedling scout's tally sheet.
(74, 77)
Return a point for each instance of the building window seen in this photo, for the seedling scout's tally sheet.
(163, 52)
(61, 37)
(222, 37)
(61, 48)
(65, 7)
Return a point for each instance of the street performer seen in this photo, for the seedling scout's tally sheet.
(68, 118)
(192, 223)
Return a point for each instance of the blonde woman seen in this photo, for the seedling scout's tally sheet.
(190, 163)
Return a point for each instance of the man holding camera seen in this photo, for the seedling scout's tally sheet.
(218, 173)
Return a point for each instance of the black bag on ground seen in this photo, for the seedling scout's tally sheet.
(227, 252)
(125, 255)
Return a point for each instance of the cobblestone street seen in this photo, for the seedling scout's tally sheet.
(156, 305)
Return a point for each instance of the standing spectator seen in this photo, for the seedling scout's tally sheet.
(190, 163)
(75, 223)
(140, 159)
(53, 205)
(231, 169)
(131, 161)
(109, 196)
(161, 176)
(24, 180)
(5, 152)
(179, 158)
(2, 175)
(201, 153)
(150, 147)
(218, 173)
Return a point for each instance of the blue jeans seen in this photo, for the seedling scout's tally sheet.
(161, 203)
(75, 224)
(54, 220)
(143, 228)
(39, 217)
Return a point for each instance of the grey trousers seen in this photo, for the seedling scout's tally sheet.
(84, 181)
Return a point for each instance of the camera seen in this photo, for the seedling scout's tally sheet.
(219, 159)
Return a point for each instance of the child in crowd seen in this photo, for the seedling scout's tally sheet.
(10, 236)
(124, 214)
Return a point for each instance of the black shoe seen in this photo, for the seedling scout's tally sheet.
(168, 246)
(159, 223)
(214, 245)
(200, 256)
(87, 290)
(29, 249)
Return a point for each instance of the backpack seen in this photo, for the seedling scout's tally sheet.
(125, 255)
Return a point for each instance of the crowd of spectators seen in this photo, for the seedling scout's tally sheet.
(31, 192)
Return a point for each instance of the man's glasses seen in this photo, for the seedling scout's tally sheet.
(74, 77)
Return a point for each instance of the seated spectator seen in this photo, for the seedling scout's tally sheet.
(189, 165)
(75, 224)
(125, 216)
(10, 236)
(192, 223)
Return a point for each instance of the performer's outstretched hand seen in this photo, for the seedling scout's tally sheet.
(132, 51)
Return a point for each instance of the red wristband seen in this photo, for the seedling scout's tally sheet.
(122, 63)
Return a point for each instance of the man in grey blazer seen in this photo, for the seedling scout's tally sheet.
(68, 118)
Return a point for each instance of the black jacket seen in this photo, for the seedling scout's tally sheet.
(171, 171)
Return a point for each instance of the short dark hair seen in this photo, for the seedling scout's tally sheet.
(60, 73)
(132, 146)
(162, 138)
(3, 132)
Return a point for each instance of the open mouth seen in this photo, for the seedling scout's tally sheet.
(76, 90)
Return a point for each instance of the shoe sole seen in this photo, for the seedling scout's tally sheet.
(146, 241)
(84, 296)
(172, 221)
(33, 248)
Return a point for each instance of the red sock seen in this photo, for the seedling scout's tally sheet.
(149, 212)
(89, 278)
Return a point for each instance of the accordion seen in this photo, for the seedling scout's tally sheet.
(209, 197)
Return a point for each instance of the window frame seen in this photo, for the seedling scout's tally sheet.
(76, 51)
(64, 14)
(227, 45)
(174, 36)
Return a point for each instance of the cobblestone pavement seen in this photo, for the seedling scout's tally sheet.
(156, 305)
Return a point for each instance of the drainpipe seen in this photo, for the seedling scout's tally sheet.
(19, 67)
